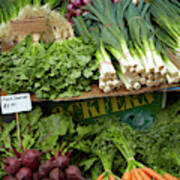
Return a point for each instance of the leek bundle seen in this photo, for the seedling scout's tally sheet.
(138, 57)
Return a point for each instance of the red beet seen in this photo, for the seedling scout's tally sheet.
(9, 178)
(31, 159)
(73, 173)
(12, 165)
(36, 176)
(24, 174)
(62, 162)
(56, 174)
(45, 168)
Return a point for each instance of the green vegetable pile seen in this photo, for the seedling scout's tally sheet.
(98, 147)
(34, 130)
(49, 71)
(159, 146)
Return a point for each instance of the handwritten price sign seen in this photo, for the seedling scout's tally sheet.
(16, 103)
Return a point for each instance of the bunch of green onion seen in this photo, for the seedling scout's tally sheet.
(108, 79)
(166, 15)
(139, 60)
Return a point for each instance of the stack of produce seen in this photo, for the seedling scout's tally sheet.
(107, 148)
(76, 8)
(27, 166)
(135, 170)
(129, 34)
(167, 22)
(57, 25)
(156, 148)
(63, 69)
(31, 150)
(108, 79)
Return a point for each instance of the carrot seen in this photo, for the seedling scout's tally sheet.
(101, 177)
(133, 177)
(126, 176)
(143, 175)
(152, 173)
(169, 177)
(111, 177)
(136, 174)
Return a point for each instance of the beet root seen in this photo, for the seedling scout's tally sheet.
(24, 174)
(56, 174)
(62, 162)
(31, 159)
(36, 176)
(45, 168)
(73, 173)
(9, 178)
(12, 165)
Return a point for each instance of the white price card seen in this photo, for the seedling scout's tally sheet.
(16, 103)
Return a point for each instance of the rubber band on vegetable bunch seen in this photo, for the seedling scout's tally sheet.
(135, 170)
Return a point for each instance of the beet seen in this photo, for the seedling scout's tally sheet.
(9, 178)
(12, 165)
(31, 159)
(24, 174)
(62, 162)
(45, 168)
(73, 173)
(56, 174)
(36, 176)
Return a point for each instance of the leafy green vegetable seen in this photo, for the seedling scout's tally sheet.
(158, 147)
(63, 70)
(50, 129)
(36, 131)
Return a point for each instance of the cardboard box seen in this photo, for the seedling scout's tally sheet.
(28, 26)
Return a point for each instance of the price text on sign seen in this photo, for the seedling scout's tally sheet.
(16, 103)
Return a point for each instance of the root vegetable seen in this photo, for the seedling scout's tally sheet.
(31, 159)
(62, 162)
(12, 165)
(24, 174)
(36, 176)
(73, 173)
(56, 174)
(9, 178)
(45, 168)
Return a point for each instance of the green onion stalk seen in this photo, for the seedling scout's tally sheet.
(108, 79)
(167, 18)
(158, 68)
(140, 35)
(112, 35)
